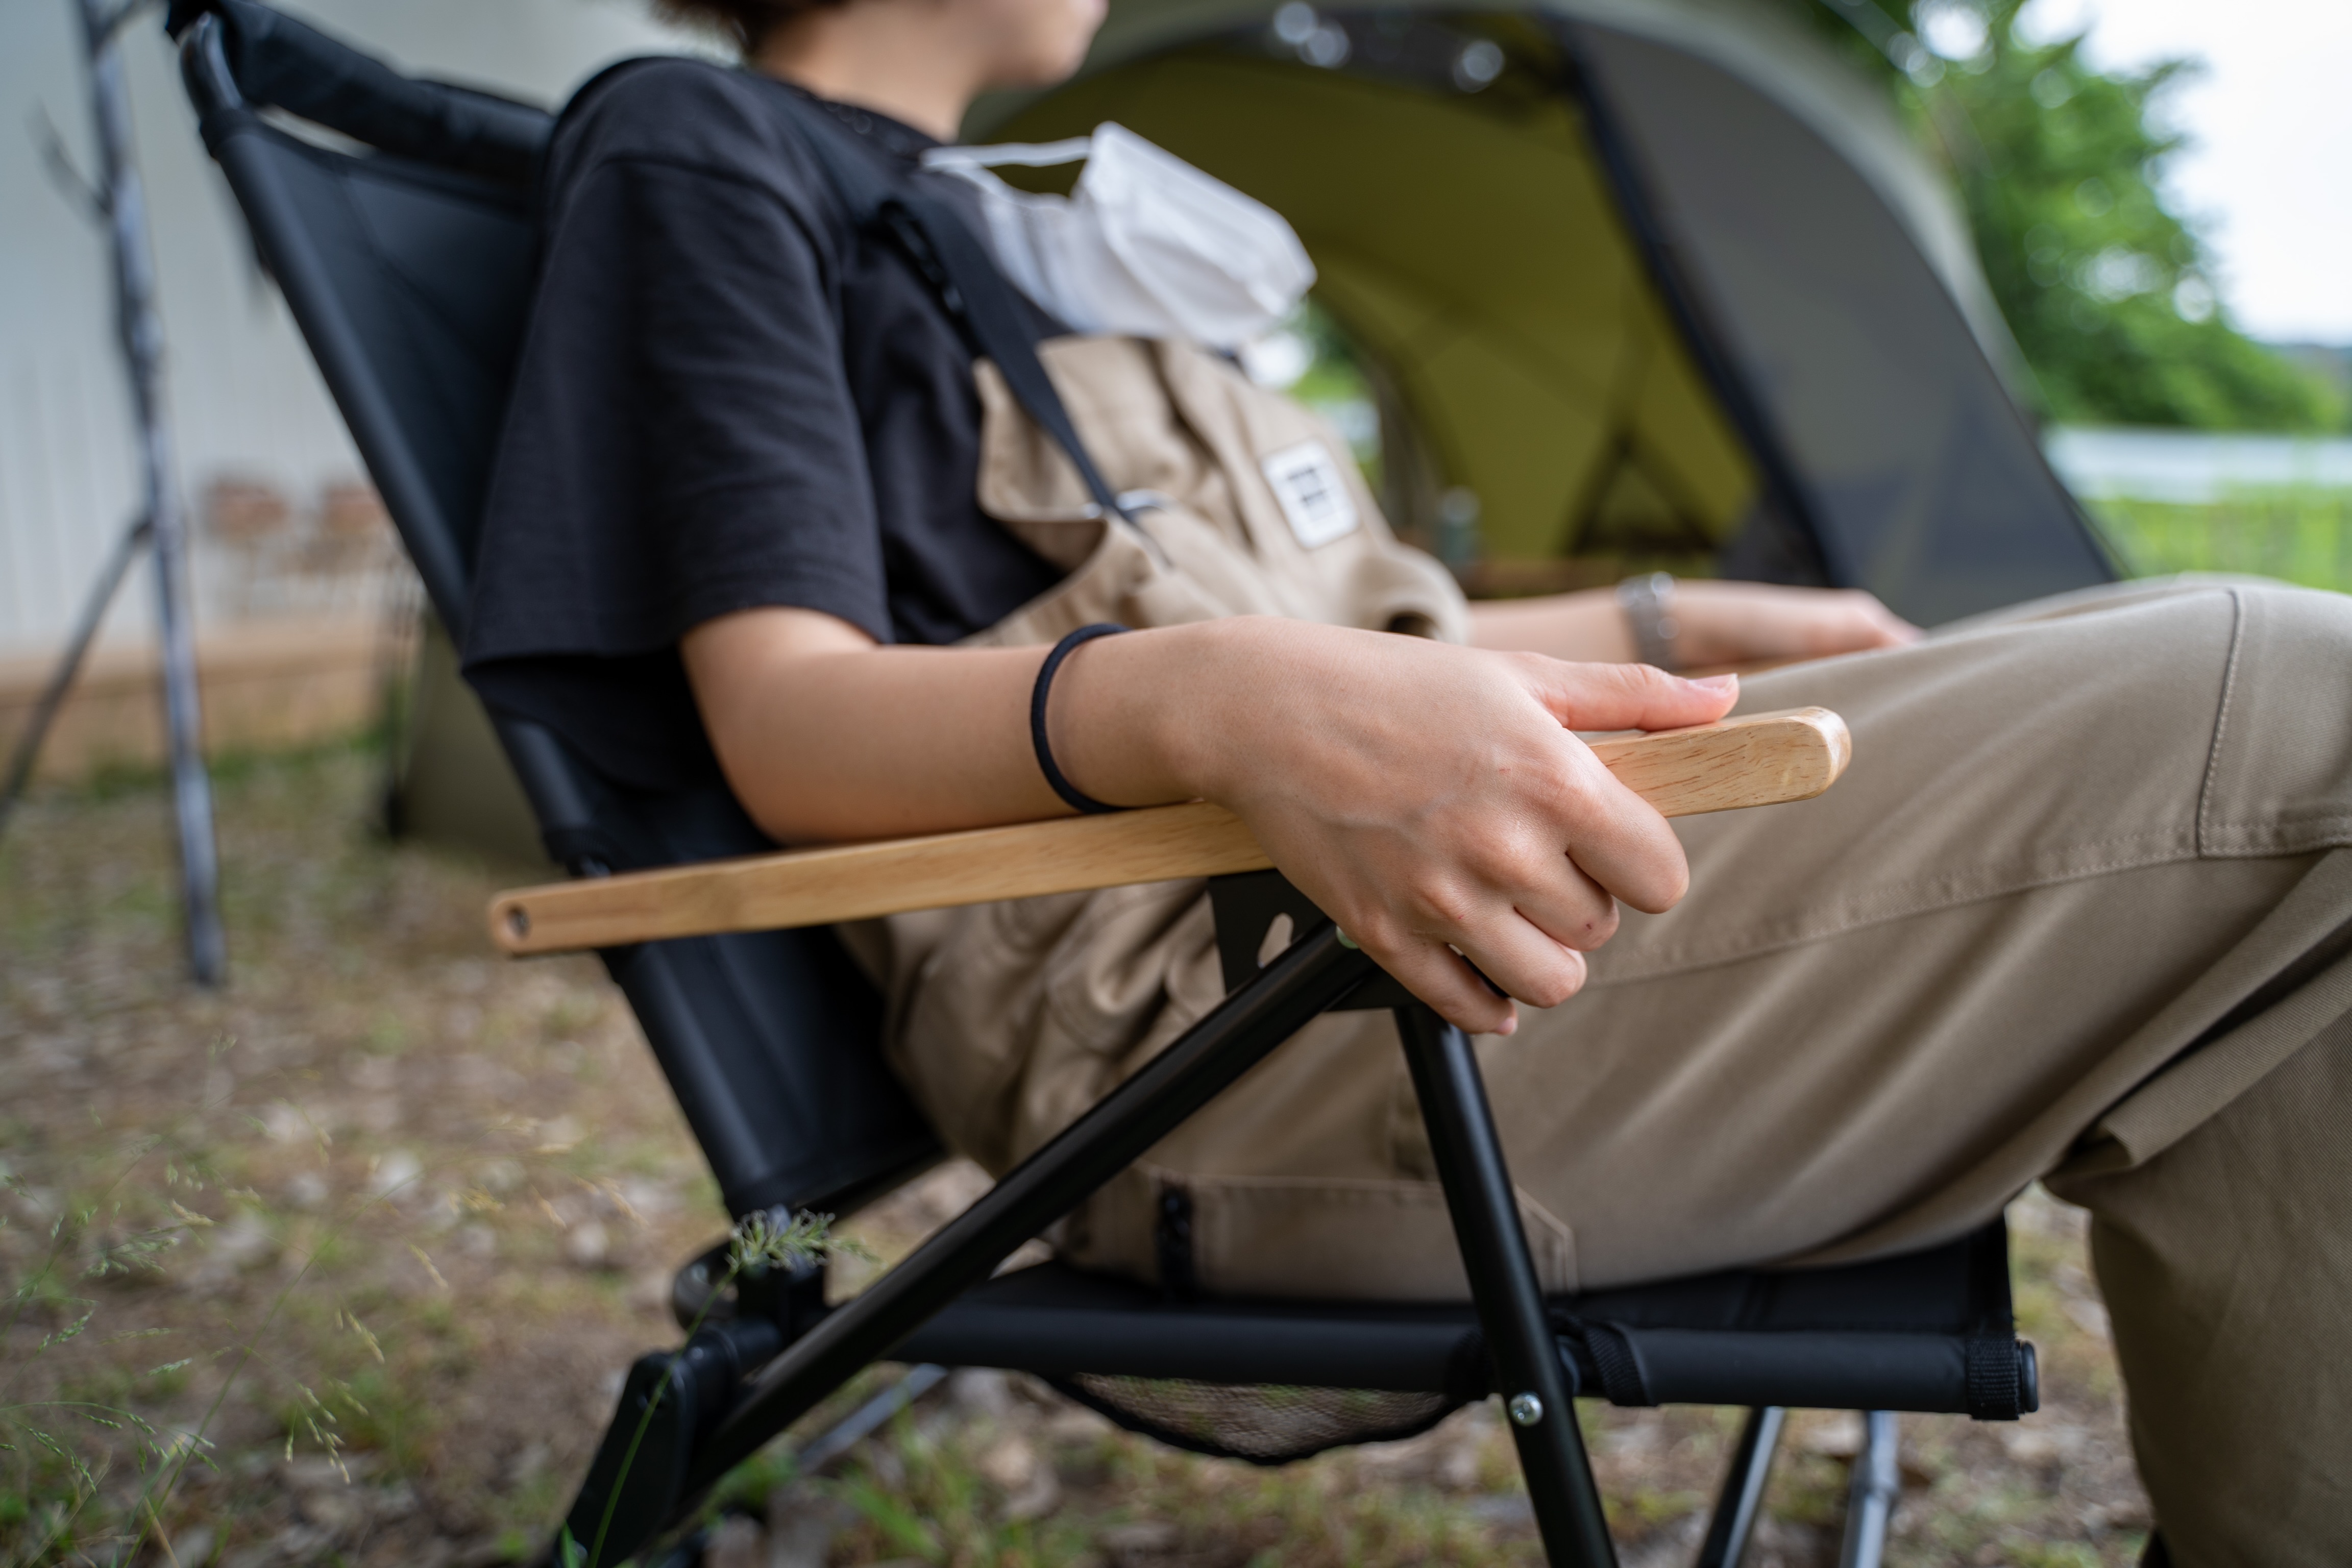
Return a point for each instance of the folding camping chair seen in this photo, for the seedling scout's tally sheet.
(408, 269)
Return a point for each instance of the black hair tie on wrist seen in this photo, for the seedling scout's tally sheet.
(1037, 694)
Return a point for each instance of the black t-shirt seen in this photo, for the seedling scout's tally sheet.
(726, 399)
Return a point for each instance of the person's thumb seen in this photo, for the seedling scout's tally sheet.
(1636, 696)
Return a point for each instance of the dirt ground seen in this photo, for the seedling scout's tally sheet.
(343, 1264)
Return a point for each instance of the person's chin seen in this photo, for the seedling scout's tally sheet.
(1046, 71)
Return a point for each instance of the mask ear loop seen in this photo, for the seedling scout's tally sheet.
(970, 284)
(1010, 154)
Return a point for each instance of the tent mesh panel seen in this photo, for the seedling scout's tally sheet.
(1266, 1425)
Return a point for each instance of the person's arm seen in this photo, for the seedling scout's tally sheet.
(1720, 624)
(1432, 798)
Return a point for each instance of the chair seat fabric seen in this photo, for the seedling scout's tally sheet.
(1930, 1332)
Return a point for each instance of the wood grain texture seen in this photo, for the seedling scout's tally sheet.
(1759, 761)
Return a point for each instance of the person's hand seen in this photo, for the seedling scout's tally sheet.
(1740, 623)
(1431, 799)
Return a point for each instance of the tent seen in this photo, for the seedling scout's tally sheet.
(1639, 283)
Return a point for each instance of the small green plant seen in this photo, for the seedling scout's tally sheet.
(760, 1241)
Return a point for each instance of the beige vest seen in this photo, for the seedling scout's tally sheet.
(1007, 1020)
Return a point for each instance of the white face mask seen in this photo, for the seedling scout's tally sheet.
(1147, 245)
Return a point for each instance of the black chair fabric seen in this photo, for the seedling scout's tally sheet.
(1930, 1331)
(292, 66)
(1923, 480)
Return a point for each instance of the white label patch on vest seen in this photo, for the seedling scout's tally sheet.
(1313, 495)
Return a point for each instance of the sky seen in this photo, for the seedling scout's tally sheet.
(2270, 170)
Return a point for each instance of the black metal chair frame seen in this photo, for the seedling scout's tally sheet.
(769, 1041)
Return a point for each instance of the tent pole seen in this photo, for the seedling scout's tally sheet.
(141, 332)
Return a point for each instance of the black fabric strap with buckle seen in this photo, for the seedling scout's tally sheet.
(974, 292)
(955, 263)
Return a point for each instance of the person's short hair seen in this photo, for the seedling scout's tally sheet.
(744, 21)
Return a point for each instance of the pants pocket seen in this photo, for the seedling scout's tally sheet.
(1360, 1239)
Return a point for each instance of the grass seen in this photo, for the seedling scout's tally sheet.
(340, 1265)
(2297, 534)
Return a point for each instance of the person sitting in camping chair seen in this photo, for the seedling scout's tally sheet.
(2078, 914)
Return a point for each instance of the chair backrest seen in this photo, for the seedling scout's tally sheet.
(408, 268)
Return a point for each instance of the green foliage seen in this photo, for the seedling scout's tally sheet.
(761, 1241)
(63, 1448)
(2295, 534)
(2111, 294)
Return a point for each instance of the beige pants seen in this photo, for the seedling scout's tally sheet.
(2073, 907)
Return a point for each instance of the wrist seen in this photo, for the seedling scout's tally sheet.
(1139, 720)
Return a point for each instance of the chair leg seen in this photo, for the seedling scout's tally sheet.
(1529, 1371)
(868, 1418)
(642, 1498)
(1870, 1505)
(1743, 1490)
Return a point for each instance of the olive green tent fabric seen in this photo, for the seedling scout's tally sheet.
(1657, 282)
(1473, 249)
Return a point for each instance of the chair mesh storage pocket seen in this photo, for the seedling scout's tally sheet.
(1265, 1424)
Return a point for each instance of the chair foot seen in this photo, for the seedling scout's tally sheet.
(1877, 1481)
(1743, 1490)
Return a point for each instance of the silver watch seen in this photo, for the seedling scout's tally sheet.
(1648, 602)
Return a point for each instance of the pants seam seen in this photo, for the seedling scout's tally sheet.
(1924, 907)
(2206, 826)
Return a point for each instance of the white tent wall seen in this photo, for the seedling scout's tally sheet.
(245, 396)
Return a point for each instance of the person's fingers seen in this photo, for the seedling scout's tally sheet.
(1628, 696)
(1517, 876)
(1441, 977)
(1862, 622)
(1631, 852)
(1892, 629)
(1607, 832)
(1568, 908)
(1478, 914)
(1611, 834)
(1729, 622)
(1514, 955)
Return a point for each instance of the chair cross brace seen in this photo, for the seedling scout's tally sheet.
(658, 1489)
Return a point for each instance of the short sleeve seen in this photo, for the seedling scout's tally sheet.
(681, 442)
(725, 399)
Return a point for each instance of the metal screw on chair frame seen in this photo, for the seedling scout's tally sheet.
(1526, 1409)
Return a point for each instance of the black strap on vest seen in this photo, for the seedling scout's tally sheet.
(955, 263)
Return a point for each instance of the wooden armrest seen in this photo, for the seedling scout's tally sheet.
(1769, 758)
